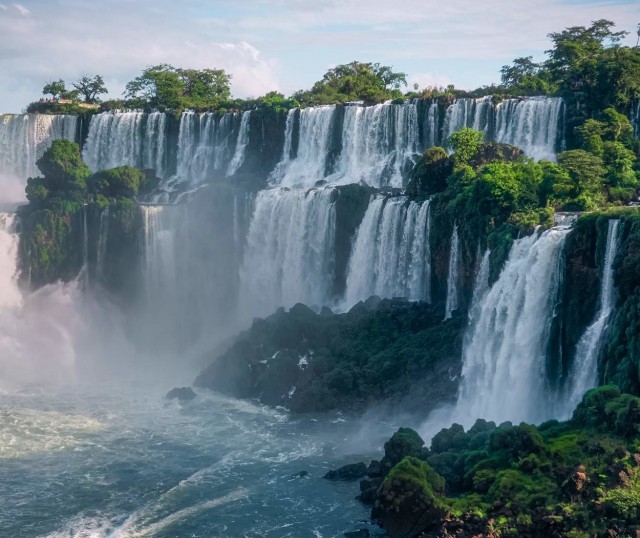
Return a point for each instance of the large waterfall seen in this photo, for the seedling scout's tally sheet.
(504, 375)
(391, 256)
(127, 138)
(584, 373)
(23, 140)
(472, 113)
(289, 255)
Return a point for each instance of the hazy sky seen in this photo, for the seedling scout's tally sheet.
(281, 45)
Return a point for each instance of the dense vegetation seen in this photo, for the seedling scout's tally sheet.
(317, 362)
(64, 200)
(579, 478)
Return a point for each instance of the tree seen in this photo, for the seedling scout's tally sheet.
(585, 174)
(90, 88)
(164, 86)
(123, 181)
(63, 168)
(56, 88)
(619, 162)
(355, 81)
(523, 75)
(465, 143)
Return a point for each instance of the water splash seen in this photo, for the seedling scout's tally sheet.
(241, 144)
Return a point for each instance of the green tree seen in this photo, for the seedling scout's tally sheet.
(123, 181)
(465, 143)
(619, 162)
(355, 81)
(585, 173)
(63, 167)
(90, 88)
(56, 88)
(166, 87)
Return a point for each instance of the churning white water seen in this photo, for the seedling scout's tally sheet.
(241, 144)
(391, 256)
(503, 373)
(584, 372)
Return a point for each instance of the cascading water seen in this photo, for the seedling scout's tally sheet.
(103, 239)
(453, 275)
(309, 163)
(205, 146)
(504, 359)
(391, 256)
(23, 140)
(289, 255)
(466, 112)
(584, 373)
(377, 143)
(127, 138)
(241, 144)
(532, 124)
(431, 132)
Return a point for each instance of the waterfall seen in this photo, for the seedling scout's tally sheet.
(204, 145)
(453, 278)
(308, 166)
(25, 137)
(467, 112)
(377, 143)
(391, 255)
(431, 125)
(584, 373)
(504, 357)
(241, 145)
(289, 255)
(635, 117)
(532, 124)
(287, 151)
(103, 238)
(127, 138)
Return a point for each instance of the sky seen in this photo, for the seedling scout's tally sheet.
(283, 45)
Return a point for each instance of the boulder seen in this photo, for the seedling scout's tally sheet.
(353, 471)
(182, 394)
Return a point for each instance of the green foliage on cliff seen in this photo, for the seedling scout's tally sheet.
(558, 479)
(355, 81)
(394, 350)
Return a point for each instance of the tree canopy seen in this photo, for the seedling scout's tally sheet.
(355, 81)
(166, 87)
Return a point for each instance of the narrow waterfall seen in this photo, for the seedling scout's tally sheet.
(127, 138)
(103, 239)
(287, 151)
(377, 143)
(635, 117)
(453, 276)
(391, 255)
(584, 373)
(309, 164)
(205, 145)
(431, 127)
(466, 112)
(289, 255)
(504, 359)
(532, 124)
(25, 137)
(241, 144)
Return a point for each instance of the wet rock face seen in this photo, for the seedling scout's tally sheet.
(353, 471)
(182, 394)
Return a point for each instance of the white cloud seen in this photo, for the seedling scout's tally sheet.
(428, 80)
(278, 44)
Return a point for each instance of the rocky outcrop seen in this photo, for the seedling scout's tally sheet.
(381, 350)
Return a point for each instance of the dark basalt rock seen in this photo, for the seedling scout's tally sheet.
(353, 471)
(182, 394)
(360, 533)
